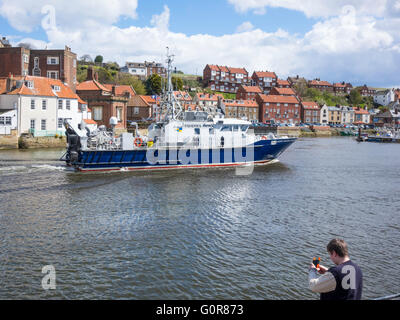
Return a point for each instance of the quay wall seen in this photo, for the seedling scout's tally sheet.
(28, 142)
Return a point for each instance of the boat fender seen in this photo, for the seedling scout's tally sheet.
(138, 142)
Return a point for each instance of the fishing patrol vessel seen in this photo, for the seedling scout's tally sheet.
(177, 139)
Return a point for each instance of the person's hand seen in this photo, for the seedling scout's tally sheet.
(312, 266)
(322, 269)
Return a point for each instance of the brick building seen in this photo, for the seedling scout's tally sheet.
(265, 80)
(105, 101)
(280, 109)
(321, 85)
(4, 43)
(54, 64)
(284, 92)
(282, 83)
(367, 91)
(310, 112)
(241, 109)
(247, 92)
(140, 108)
(224, 79)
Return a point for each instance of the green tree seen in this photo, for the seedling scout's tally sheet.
(153, 84)
(355, 97)
(105, 76)
(98, 59)
(177, 83)
(130, 80)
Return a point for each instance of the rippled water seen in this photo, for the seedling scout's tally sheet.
(199, 234)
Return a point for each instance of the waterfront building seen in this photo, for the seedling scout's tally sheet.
(324, 115)
(361, 116)
(310, 112)
(141, 108)
(389, 118)
(106, 100)
(54, 64)
(347, 115)
(224, 79)
(241, 109)
(38, 105)
(334, 115)
(280, 109)
(248, 92)
(384, 97)
(266, 80)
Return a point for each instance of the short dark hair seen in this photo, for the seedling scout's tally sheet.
(339, 246)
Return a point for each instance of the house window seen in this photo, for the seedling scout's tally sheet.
(2, 121)
(60, 123)
(52, 74)
(32, 104)
(68, 105)
(52, 60)
(56, 88)
(43, 124)
(44, 104)
(60, 104)
(33, 122)
(26, 58)
(119, 114)
(136, 110)
(29, 84)
(97, 113)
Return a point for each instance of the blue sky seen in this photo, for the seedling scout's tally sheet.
(350, 40)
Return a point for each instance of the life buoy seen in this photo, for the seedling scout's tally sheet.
(138, 142)
(264, 138)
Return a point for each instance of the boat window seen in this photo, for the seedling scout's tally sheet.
(211, 131)
(226, 128)
(197, 130)
(244, 128)
(235, 128)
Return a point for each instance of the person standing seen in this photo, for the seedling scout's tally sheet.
(344, 281)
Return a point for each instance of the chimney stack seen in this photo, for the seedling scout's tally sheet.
(90, 73)
(113, 90)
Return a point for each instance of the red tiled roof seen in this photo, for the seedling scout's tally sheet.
(251, 89)
(91, 85)
(339, 85)
(265, 74)
(241, 103)
(320, 83)
(238, 70)
(213, 67)
(223, 69)
(120, 89)
(81, 101)
(283, 82)
(360, 111)
(43, 87)
(148, 99)
(278, 99)
(285, 91)
(206, 96)
(183, 95)
(310, 105)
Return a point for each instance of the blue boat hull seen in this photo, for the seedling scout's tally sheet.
(264, 152)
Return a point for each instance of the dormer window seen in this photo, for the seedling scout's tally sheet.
(29, 84)
(56, 88)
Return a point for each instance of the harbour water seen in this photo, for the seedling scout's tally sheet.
(199, 234)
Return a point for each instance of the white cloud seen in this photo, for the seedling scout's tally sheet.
(161, 21)
(313, 8)
(245, 26)
(25, 15)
